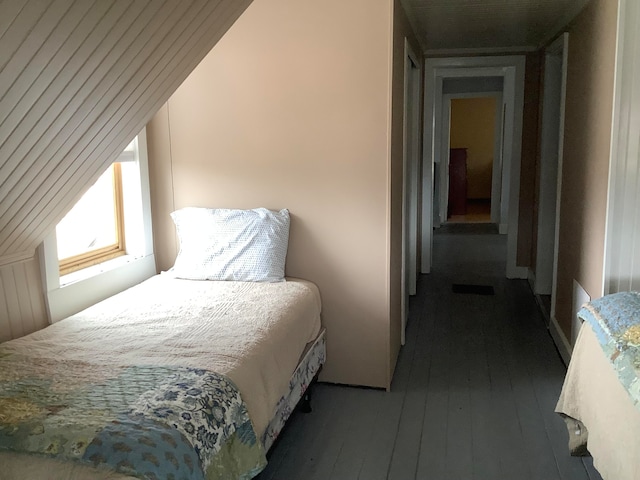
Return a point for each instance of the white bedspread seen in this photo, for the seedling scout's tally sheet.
(252, 332)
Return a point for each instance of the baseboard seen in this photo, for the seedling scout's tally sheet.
(559, 338)
(531, 276)
(520, 273)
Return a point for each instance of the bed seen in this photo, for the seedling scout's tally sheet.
(599, 398)
(174, 378)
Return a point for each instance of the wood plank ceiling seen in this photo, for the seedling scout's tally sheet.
(78, 80)
(473, 26)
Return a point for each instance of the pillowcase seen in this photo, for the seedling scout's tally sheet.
(228, 244)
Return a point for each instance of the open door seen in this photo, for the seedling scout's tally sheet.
(410, 182)
(551, 146)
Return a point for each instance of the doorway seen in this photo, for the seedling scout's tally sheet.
(510, 69)
(475, 158)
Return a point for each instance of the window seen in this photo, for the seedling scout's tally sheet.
(104, 244)
(93, 231)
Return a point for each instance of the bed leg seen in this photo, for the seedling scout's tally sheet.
(305, 403)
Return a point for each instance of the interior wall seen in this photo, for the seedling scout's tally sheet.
(473, 128)
(292, 109)
(472, 84)
(165, 240)
(587, 139)
(538, 167)
(527, 229)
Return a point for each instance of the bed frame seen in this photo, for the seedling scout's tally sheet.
(302, 378)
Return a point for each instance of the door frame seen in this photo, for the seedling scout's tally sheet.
(551, 174)
(410, 181)
(512, 69)
(496, 174)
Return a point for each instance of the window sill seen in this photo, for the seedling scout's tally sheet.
(81, 289)
(96, 270)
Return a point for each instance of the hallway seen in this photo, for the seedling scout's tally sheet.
(472, 397)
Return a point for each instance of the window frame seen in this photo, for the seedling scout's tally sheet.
(99, 255)
(73, 292)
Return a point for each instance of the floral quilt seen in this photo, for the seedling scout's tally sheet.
(615, 320)
(150, 422)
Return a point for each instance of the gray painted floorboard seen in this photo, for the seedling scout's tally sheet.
(472, 397)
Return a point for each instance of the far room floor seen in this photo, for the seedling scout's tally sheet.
(473, 395)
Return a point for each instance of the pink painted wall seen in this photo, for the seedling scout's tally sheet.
(292, 109)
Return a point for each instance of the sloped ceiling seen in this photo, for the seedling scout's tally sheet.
(474, 26)
(78, 80)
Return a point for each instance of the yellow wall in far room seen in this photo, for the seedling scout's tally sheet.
(473, 128)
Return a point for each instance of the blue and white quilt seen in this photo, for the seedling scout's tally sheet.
(158, 381)
(615, 320)
(148, 422)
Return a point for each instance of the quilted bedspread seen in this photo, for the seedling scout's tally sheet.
(170, 379)
(147, 422)
(615, 320)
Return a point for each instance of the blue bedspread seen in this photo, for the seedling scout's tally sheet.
(615, 320)
(149, 422)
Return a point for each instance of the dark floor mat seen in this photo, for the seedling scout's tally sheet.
(473, 289)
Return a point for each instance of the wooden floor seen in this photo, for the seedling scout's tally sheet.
(477, 211)
(472, 397)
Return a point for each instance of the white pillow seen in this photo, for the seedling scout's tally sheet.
(226, 244)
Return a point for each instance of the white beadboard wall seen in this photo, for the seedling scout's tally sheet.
(78, 80)
(22, 308)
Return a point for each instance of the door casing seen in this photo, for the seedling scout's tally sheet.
(410, 181)
(512, 69)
